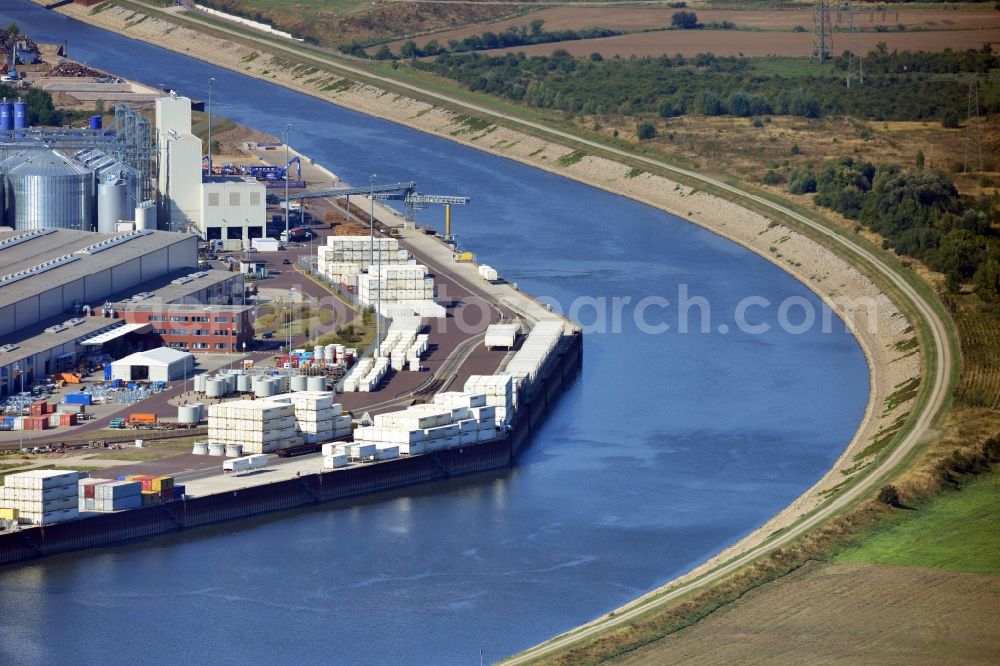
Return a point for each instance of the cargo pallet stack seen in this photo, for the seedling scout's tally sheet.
(353, 378)
(106, 495)
(344, 258)
(528, 360)
(261, 426)
(41, 496)
(488, 273)
(335, 455)
(317, 417)
(401, 282)
(427, 428)
(502, 336)
(499, 392)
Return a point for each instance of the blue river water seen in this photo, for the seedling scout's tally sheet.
(669, 446)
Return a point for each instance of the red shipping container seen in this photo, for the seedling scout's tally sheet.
(37, 408)
(67, 419)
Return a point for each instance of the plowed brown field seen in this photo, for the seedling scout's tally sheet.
(845, 614)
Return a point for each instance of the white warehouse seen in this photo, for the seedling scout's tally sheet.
(156, 365)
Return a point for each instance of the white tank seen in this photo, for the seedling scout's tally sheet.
(300, 383)
(216, 449)
(112, 204)
(279, 384)
(215, 388)
(200, 382)
(145, 216)
(316, 384)
(244, 383)
(318, 353)
(201, 410)
(263, 388)
(230, 383)
(200, 449)
(234, 450)
(330, 353)
(188, 414)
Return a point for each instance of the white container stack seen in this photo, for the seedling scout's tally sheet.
(118, 496)
(344, 253)
(245, 464)
(395, 282)
(317, 417)
(502, 335)
(499, 392)
(488, 273)
(42, 496)
(261, 426)
(353, 378)
(536, 348)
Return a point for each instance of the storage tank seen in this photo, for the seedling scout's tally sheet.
(112, 204)
(215, 388)
(200, 382)
(200, 449)
(145, 216)
(188, 414)
(330, 353)
(263, 388)
(300, 383)
(244, 383)
(201, 410)
(216, 449)
(49, 190)
(316, 384)
(318, 352)
(234, 450)
(6, 115)
(231, 385)
(20, 115)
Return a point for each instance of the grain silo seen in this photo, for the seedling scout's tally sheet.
(49, 190)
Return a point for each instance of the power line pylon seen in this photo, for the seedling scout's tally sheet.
(847, 21)
(973, 132)
(822, 37)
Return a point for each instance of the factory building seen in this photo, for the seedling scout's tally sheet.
(214, 207)
(156, 365)
(61, 292)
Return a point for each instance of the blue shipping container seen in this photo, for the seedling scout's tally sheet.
(78, 398)
(107, 372)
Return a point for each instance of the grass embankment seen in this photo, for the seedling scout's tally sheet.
(958, 530)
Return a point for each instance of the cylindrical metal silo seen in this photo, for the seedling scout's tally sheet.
(234, 450)
(49, 190)
(200, 449)
(20, 115)
(145, 215)
(188, 414)
(200, 382)
(6, 115)
(244, 383)
(215, 388)
(300, 383)
(263, 388)
(112, 204)
(317, 384)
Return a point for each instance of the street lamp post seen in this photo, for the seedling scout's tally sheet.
(288, 237)
(371, 220)
(211, 80)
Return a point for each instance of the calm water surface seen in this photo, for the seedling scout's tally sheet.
(666, 449)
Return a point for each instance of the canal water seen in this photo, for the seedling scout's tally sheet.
(668, 447)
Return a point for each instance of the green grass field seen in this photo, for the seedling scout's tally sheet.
(957, 531)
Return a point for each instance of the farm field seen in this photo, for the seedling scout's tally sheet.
(753, 44)
(634, 19)
(845, 613)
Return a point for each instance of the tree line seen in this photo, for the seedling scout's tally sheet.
(515, 35)
(919, 213)
(898, 86)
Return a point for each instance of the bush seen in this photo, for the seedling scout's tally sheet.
(796, 150)
(889, 495)
(773, 177)
(950, 119)
(645, 131)
(685, 21)
(802, 181)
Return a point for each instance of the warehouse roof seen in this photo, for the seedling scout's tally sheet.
(35, 339)
(162, 356)
(83, 252)
(164, 289)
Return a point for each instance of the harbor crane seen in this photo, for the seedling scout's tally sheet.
(418, 201)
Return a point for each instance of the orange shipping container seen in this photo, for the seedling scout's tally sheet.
(141, 418)
(70, 377)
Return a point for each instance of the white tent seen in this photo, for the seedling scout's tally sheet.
(156, 365)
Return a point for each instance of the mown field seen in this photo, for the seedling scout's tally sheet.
(640, 19)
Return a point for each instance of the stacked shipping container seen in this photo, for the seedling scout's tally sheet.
(261, 426)
(41, 496)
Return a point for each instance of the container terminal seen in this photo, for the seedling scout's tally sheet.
(152, 292)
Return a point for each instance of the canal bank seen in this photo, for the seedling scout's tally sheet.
(663, 429)
(878, 325)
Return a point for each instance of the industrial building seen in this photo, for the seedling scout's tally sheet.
(156, 365)
(66, 294)
(214, 207)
